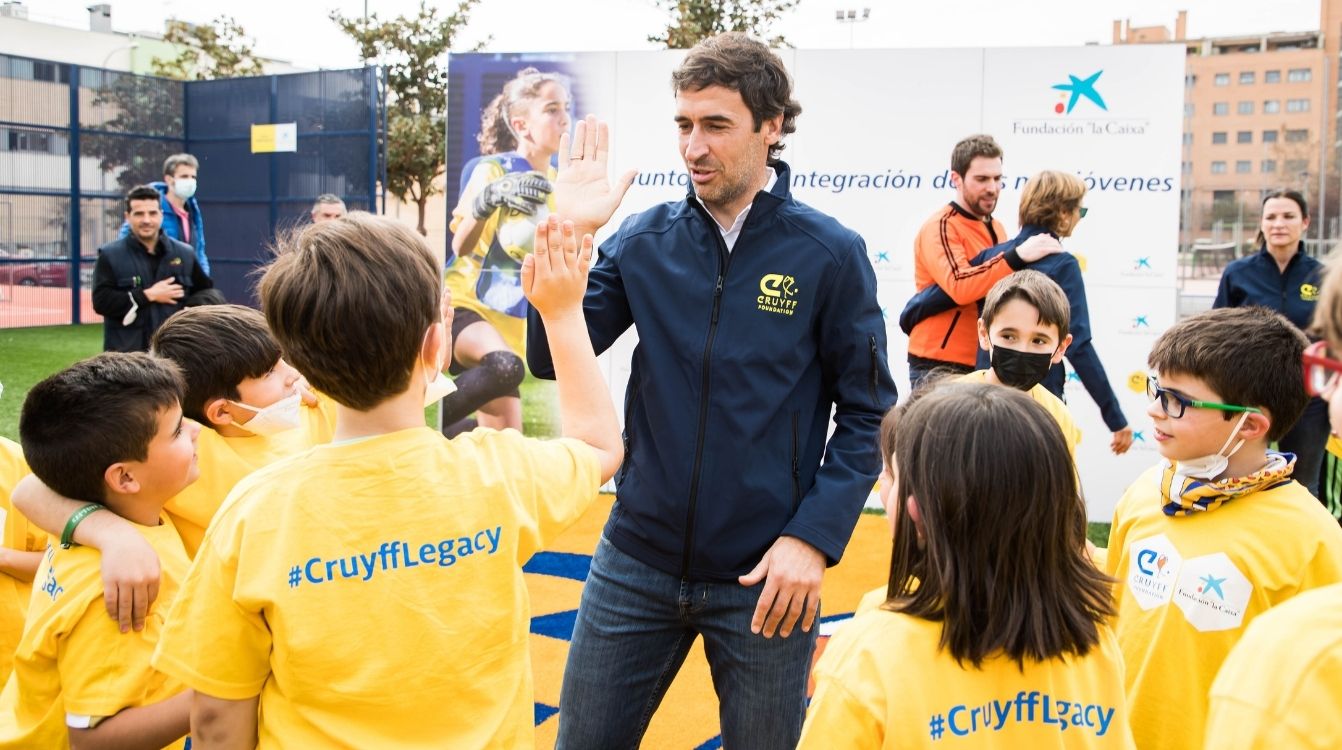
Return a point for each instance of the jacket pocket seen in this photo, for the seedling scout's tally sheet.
(630, 396)
(874, 365)
(951, 328)
(796, 464)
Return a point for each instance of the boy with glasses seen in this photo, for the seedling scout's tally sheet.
(1218, 532)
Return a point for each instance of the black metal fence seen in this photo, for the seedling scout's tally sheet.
(74, 139)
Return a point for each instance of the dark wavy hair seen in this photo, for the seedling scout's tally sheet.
(736, 61)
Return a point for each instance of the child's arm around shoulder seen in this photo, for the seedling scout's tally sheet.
(130, 567)
(142, 728)
(554, 278)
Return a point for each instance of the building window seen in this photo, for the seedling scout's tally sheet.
(1244, 136)
(1218, 138)
(1269, 166)
(1296, 166)
(1188, 109)
(1222, 79)
(1188, 139)
(1243, 166)
(1269, 136)
(1246, 77)
(1272, 76)
(1297, 136)
(1299, 75)
(1218, 167)
(1297, 105)
(1221, 108)
(1244, 108)
(1188, 167)
(1271, 107)
(1190, 80)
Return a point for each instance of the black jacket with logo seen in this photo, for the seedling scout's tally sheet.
(1256, 280)
(740, 358)
(123, 271)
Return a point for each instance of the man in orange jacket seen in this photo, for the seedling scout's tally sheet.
(954, 235)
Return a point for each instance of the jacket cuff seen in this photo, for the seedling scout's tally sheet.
(1013, 260)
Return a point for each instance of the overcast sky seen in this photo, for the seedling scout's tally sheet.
(299, 31)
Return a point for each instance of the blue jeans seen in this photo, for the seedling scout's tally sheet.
(635, 626)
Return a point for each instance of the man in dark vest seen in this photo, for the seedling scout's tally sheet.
(143, 278)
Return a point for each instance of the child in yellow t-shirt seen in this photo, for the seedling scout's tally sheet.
(1217, 533)
(326, 578)
(21, 546)
(1279, 686)
(249, 400)
(994, 631)
(1024, 326)
(76, 679)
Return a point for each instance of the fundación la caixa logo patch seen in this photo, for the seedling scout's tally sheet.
(778, 294)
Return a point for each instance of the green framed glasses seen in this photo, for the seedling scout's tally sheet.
(1174, 405)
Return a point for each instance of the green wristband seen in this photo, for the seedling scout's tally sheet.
(68, 536)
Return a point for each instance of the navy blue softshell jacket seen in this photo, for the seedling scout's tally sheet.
(739, 360)
(1063, 269)
(1256, 280)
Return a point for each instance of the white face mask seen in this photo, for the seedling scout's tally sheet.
(184, 187)
(279, 417)
(436, 389)
(1209, 467)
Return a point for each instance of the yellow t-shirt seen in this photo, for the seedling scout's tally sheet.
(883, 682)
(1282, 684)
(224, 461)
(72, 660)
(487, 267)
(1330, 485)
(20, 535)
(371, 591)
(1045, 398)
(1187, 586)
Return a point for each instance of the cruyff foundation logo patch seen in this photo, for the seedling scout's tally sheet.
(1309, 293)
(778, 294)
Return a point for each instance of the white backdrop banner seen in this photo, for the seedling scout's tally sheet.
(872, 148)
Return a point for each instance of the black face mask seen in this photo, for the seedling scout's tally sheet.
(1020, 370)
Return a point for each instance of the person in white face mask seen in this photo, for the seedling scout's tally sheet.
(255, 409)
(182, 219)
(1219, 531)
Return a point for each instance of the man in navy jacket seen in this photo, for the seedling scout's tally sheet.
(756, 315)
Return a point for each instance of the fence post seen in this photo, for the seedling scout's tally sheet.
(76, 223)
(370, 79)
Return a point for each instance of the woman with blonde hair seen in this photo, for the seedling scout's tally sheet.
(1051, 203)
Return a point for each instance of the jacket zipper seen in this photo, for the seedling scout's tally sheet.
(724, 263)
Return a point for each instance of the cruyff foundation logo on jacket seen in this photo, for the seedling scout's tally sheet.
(778, 294)
(1309, 293)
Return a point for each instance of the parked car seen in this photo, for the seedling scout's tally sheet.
(37, 273)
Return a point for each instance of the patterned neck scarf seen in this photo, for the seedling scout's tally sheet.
(1186, 496)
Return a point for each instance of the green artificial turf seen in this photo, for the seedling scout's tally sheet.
(27, 355)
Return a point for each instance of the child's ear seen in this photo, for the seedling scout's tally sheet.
(1255, 426)
(217, 412)
(985, 343)
(915, 516)
(434, 349)
(120, 480)
(1062, 348)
